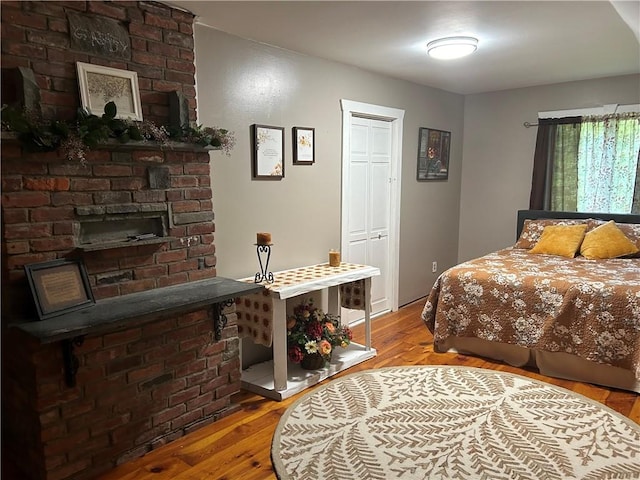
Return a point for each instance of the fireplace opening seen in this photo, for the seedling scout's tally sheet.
(114, 230)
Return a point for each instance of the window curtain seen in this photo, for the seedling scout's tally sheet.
(635, 208)
(608, 166)
(564, 184)
(555, 137)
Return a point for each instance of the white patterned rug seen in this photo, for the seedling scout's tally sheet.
(435, 422)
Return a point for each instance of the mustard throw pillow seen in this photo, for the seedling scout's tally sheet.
(532, 229)
(607, 241)
(561, 240)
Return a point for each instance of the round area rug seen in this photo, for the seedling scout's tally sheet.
(440, 422)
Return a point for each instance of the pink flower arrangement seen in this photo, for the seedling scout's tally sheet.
(311, 331)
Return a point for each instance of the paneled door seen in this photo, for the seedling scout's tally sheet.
(368, 199)
(371, 161)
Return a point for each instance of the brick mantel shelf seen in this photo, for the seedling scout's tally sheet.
(113, 144)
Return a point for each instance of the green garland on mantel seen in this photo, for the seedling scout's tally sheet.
(89, 132)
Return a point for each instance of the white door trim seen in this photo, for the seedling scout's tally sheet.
(396, 117)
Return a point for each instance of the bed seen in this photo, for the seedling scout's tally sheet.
(575, 318)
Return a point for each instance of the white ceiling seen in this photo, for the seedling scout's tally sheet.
(521, 43)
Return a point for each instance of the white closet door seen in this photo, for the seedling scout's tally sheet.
(368, 198)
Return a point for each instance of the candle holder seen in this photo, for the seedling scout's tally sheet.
(264, 250)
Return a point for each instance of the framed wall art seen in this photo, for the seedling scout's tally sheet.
(58, 287)
(433, 154)
(267, 151)
(304, 147)
(100, 85)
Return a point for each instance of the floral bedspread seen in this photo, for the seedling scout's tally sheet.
(588, 308)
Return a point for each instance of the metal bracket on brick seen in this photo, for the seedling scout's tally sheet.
(219, 318)
(71, 363)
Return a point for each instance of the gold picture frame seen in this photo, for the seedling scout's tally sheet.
(100, 85)
(58, 287)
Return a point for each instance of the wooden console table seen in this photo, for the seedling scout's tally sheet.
(278, 378)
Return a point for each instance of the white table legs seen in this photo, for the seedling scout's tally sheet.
(367, 313)
(280, 350)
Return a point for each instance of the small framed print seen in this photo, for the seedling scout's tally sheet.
(268, 152)
(433, 154)
(304, 146)
(59, 287)
(100, 85)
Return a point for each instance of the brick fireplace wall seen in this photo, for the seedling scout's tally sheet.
(46, 198)
(42, 192)
(37, 35)
(140, 386)
(137, 389)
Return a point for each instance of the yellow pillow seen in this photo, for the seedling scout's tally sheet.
(607, 241)
(561, 240)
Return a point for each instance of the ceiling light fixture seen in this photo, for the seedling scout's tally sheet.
(452, 47)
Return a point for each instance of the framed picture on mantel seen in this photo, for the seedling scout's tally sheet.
(100, 85)
(59, 287)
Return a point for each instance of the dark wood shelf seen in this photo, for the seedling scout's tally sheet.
(92, 247)
(119, 313)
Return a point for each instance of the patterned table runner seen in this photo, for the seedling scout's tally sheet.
(255, 311)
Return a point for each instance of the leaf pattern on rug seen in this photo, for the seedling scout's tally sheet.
(451, 423)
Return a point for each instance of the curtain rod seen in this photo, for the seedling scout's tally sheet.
(608, 109)
(625, 114)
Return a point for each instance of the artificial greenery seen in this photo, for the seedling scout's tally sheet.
(88, 131)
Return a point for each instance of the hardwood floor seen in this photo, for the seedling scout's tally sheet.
(239, 446)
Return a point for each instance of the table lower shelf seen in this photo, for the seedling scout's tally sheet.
(259, 378)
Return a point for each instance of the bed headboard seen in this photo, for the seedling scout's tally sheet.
(534, 214)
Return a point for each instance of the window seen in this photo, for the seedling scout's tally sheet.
(588, 163)
(608, 164)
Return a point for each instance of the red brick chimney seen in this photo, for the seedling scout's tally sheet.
(141, 382)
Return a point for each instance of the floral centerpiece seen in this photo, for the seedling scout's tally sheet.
(312, 335)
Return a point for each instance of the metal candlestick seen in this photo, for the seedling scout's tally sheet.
(264, 274)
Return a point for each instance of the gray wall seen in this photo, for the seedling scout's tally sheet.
(240, 83)
(498, 153)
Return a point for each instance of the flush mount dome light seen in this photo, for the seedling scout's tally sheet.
(452, 47)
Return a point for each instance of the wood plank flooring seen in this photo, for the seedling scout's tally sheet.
(239, 446)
